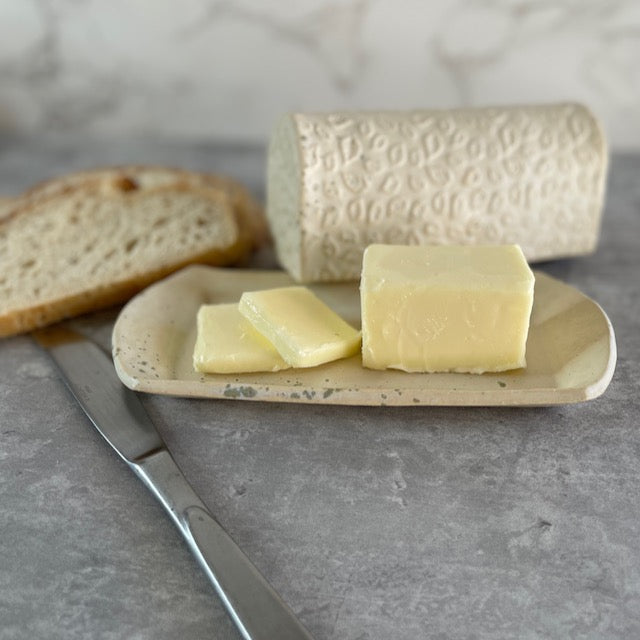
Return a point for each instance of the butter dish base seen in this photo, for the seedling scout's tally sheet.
(571, 350)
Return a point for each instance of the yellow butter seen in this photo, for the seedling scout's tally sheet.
(445, 308)
(226, 342)
(304, 330)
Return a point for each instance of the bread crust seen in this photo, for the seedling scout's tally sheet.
(6, 206)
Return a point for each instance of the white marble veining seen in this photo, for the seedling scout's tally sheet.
(225, 69)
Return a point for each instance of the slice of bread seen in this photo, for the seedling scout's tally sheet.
(252, 220)
(90, 240)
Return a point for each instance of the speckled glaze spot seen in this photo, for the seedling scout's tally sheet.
(240, 392)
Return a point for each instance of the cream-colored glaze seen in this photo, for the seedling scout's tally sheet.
(445, 308)
(338, 182)
(227, 342)
(303, 329)
(571, 351)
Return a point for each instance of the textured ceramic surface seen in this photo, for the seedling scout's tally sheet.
(570, 351)
(339, 182)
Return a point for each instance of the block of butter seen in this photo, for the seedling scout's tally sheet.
(445, 308)
(226, 342)
(338, 182)
(304, 330)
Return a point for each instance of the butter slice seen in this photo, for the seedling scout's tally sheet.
(304, 330)
(445, 308)
(226, 342)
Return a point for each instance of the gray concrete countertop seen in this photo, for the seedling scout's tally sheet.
(373, 523)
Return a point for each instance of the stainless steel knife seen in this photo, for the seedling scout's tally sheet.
(256, 609)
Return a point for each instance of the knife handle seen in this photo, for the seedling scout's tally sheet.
(254, 606)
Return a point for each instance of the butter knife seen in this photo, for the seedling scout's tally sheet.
(257, 610)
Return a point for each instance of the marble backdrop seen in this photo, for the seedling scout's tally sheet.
(225, 69)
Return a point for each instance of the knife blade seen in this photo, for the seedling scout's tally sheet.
(116, 411)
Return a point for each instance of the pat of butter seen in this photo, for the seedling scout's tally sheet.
(304, 330)
(226, 342)
(445, 308)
